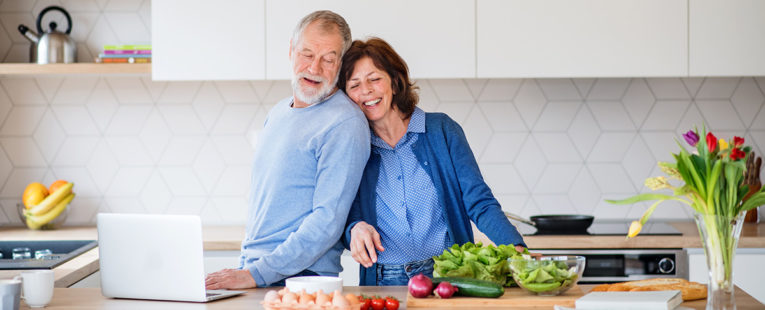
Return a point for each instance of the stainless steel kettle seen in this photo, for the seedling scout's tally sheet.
(53, 46)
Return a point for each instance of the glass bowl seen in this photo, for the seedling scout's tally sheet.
(54, 224)
(548, 275)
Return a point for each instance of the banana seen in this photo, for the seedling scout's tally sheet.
(51, 201)
(35, 222)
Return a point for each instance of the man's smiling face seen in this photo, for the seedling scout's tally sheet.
(315, 64)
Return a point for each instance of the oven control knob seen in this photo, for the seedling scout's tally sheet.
(666, 265)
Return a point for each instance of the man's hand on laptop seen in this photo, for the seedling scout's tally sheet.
(229, 279)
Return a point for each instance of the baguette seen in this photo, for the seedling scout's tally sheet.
(601, 288)
(690, 290)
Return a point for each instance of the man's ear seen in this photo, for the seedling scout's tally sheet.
(290, 53)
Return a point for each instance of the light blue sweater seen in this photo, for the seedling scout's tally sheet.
(306, 171)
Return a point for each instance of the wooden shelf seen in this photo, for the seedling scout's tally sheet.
(76, 68)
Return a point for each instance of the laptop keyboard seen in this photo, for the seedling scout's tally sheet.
(211, 294)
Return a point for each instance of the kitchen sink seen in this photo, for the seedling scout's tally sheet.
(61, 251)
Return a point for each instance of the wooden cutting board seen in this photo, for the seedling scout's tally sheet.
(514, 297)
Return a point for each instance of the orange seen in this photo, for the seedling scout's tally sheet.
(34, 194)
(56, 185)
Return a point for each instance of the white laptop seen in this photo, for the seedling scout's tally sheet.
(158, 257)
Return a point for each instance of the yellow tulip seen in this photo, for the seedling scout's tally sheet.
(634, 230)
(723, 144)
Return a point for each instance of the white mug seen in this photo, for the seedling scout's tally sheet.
(37, 287)
(9, 294)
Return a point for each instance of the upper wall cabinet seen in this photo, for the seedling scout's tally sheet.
(435, 37)
(727, 38)
(582, 38)
(208, 40)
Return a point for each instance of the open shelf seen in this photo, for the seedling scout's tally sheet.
(75, 68)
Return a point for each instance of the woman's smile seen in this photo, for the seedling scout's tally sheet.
(372, 102)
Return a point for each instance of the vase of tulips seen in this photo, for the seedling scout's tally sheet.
(713, 185)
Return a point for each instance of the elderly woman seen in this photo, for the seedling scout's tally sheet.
(421, 186)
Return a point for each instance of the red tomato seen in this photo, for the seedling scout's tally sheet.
(365, 303)
(378, 303)
(391, 303)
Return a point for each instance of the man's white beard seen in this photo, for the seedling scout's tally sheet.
(312, 96)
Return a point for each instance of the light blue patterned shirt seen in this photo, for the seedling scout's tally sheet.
(410, 219)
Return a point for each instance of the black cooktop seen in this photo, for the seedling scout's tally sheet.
(614, 228)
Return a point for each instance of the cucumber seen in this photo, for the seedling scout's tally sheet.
(472, 287)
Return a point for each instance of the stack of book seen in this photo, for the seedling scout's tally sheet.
(125, 54)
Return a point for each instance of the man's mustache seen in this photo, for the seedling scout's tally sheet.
(311, 77)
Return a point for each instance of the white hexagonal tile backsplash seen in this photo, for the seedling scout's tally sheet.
(134, 145)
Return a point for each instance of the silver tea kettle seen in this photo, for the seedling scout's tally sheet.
(53, 46)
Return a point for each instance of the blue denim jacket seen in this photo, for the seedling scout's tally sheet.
(444, 153)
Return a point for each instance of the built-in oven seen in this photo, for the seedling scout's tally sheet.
(617, 265)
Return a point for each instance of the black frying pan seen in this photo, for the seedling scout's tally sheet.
(557, 224)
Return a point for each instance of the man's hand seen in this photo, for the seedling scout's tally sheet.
(364, 241)
(229, 279)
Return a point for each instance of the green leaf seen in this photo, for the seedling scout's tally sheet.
(697, 181)
(645, 197)
(712, 181)
(754, 201)
(648, 212)
(683, 190)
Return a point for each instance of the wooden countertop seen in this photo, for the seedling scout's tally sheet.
(215, 239)
(91, 298)
(229, 238)
(752, 236)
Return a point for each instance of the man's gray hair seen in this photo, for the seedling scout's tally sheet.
(328, 20)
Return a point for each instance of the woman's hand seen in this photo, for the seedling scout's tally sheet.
(364, 241)
(520, 249)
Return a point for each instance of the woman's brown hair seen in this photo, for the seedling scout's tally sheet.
(384, 58)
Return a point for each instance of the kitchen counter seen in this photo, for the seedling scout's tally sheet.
(91, 298)
(215, 239)
(752, 236)
(228, 238)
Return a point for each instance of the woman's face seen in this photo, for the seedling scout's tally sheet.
(370, 88)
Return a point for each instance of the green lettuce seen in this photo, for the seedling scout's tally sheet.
(543, 276)
(476, 261)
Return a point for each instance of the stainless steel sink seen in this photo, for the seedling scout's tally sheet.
(62, 251)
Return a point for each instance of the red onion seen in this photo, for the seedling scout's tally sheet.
(445, 290)
(420, 286)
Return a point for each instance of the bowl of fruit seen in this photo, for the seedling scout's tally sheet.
(45, 207)
(548, 275)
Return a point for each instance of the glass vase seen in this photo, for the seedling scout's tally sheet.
(720, 235)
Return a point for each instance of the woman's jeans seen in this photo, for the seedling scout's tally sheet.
(400, 274)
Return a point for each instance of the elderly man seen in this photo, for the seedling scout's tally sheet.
(307, 167)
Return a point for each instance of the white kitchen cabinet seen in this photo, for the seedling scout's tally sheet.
(435, 37)
(218, 260)
(581, 38)
(92, 280)
(208, 40)
(350, 273)
(727, 38)
(747, 270)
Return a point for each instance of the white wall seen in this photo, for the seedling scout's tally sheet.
(544, 146)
